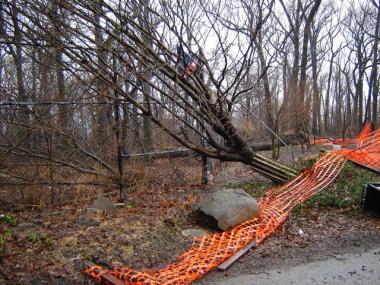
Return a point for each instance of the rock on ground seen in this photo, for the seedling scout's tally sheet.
(229, 207)
(103, 204)
(91, 217)
(192, 233)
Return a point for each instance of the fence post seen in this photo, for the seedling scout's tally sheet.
(120, 166)
(205, 159)
(206, 163)
(205, 169)
(119, 143)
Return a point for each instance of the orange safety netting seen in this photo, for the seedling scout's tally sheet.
(364, 133)
(319, 141)
(344, 142)
(368, 154)
(208, 252)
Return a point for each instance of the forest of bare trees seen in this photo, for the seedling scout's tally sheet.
(84, 82)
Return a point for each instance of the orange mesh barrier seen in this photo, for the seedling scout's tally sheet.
(344, 142)
(208, 252)
(365, 133)
(319, 141)
(369, 153)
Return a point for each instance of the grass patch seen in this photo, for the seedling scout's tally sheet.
(257, 189)
(345, 192)
(5, 232)
(304, 164)
(36, 236)
(8, 219)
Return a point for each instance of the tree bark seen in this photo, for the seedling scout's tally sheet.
(101, 128)
(63, 116)
(267, 92)
(146, 89)
(303, 68)
(18, 58)
(316, 111)
(374, 82)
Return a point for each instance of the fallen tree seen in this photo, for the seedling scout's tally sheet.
(125, 53)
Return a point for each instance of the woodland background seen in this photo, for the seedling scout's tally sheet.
(83, 83)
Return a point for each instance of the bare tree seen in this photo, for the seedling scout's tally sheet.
(333, 31)
(14, 35)
(374, 80)
(304, 60)
(126, 31)
(109, 76)
(57, 23)
(355, 22)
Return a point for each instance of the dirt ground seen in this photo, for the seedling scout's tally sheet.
(359, 267)
(338, 234)
(44, 245)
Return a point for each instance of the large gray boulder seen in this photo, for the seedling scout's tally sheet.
(103, 204)
(227, 207)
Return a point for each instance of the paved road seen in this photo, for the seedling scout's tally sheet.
(360, 269)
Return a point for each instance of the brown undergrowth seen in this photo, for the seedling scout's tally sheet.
(43, 243)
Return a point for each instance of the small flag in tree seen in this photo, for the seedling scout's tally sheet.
(186, 64)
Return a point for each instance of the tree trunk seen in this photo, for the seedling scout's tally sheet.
(359, 86)
(327, 98)
(303, 68)
(63, 116)
(315, 101)
(146, 89)
(338, 111)
(101, 128)
(18, 58)
(374, 82)
(267, 92)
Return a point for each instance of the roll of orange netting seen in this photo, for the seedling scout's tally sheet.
(208, 252)
(365, 133)
(369, 152)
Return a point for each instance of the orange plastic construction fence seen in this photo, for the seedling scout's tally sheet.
(368, 154)
(363, 135)
(319, 141)
(209, 251)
